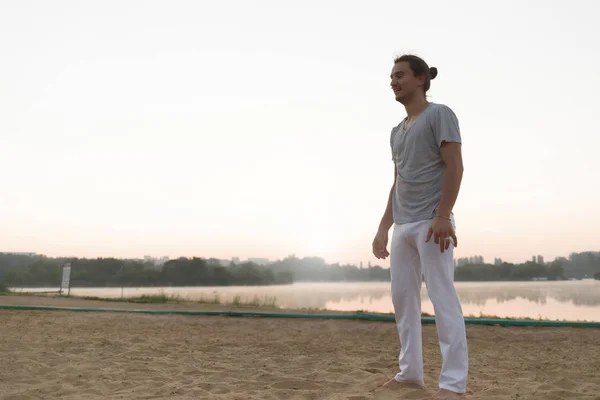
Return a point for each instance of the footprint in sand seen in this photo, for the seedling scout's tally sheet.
(373, 370)
(379, 364)
(393, 395)
(566, 384)
(402, 393)
(212, 388)
(296, 385)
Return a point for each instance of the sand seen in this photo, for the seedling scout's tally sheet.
(71, 355)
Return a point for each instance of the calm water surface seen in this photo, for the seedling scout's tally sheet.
(564, 300)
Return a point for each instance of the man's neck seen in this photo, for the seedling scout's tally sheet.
(416, 106)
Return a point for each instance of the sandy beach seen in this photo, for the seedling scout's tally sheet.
(72, 355)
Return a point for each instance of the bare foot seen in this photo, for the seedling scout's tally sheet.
(393, 384)
(444, 394)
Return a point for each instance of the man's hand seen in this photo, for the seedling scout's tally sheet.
(442, 231)
(380, 244)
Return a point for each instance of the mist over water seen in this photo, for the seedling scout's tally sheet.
(568, 300)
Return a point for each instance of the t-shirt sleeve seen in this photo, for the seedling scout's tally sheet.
(445, 126)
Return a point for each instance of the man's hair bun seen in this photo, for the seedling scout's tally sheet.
(433, 72)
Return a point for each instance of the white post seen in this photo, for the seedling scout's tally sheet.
(66, 278)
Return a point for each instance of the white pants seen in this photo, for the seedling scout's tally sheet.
(410, 258)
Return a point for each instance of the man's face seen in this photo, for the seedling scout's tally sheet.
(404, 82)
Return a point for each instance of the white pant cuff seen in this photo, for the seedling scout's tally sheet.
(453, 388)
(400, 379)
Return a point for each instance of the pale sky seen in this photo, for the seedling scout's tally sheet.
(261, 129)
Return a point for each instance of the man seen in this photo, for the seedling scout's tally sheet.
(426, 150)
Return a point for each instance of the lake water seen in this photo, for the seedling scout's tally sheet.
(562, 300)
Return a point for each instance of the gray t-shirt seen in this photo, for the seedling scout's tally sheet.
(416, 153)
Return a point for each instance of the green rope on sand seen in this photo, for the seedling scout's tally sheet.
(353, 316)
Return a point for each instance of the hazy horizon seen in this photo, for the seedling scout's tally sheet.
(381, 263)
(261, 129)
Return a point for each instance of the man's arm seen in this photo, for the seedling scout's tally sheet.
(388, 216)
(453, 172)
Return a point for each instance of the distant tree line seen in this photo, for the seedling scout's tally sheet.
(576, 266)
(510, 272)
(41, 271)
(581, 265)
(314, 269)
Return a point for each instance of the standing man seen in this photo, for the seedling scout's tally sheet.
(426, 150)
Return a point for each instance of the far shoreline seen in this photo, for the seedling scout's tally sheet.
(19, 289)
(176, 303)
